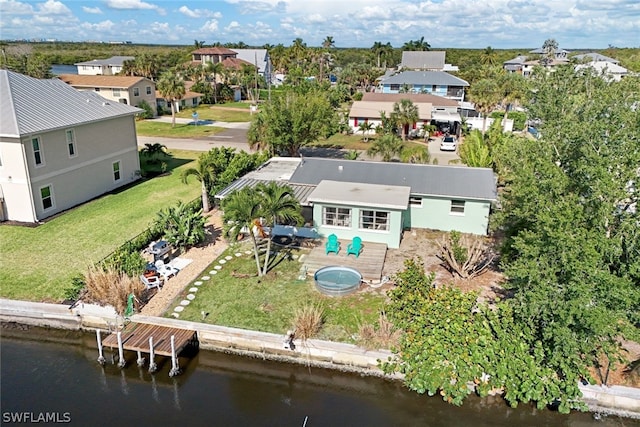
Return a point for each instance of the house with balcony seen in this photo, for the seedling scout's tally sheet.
(103, 67)
(123, 89)
(429, 60)
(60, 147)
(437, 83)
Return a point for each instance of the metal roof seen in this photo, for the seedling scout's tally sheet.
(114, 60)
(435, 100)
(428, 180)
(594, 56)
(423, 60)
(29, 105)
(372, 109)
(300, 191)
(84, 80)
(361, 194)
(438, 78)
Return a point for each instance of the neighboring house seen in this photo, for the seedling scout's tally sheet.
(371, 112)
(436, 83)
(443, 110)
(376, 200)
(608, 70)
(593, 56)
(528, 66)
(559, 53)
(123, 89)
(430, 60)
(235, 58)
(103, 67)
(189, 100)
(60, 147)
(514, 65)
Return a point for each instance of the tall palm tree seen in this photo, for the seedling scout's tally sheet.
(171, 87)
(241, 209)
(205, 173)
(377, 49)
(215, 69)
(388, 146)
(485, 95)
(277, 205)
(365, 127)
(405, 114)
(488, 56)
(328, 42)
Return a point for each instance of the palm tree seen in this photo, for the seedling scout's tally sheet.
(171, 87)
(204, 172)
(278, 204)
(415, 154)
(241, 209)
(405, 114)
(485, 96)
(388, 146)
(475, 151)
(328, 42)
(215, 69)
(153, 151)
(488, 56)
(550, 46)
(365, 127)
(419, 45)
(378, 49)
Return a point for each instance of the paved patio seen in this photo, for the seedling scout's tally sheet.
(369, 263)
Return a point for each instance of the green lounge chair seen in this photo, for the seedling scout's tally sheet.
(355, 247)
(332, 244)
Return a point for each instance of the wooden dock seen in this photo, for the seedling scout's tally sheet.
(369, 263)
(135, 337)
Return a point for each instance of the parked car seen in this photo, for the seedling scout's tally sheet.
(448, 143)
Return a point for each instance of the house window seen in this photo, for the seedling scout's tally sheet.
(116, 171)
(97, 89)
(136, 91)
(457, 207)
(394, 87)
(148, 90)
(71, 143)
(374, 220)
(116, 92)
(415, 201)
(37, 151)
(46, 196)
(339, 217)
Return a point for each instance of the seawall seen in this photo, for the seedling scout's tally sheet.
(616, 400)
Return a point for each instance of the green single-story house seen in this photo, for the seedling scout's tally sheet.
(377, 201)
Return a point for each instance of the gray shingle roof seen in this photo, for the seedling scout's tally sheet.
(438, 78)
(594, 56)
(29, 105)
(432, 180)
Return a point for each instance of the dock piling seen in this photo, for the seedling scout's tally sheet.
(175, 369)
(152, 362)
(101, 359)
(140, 360)
(121, 361)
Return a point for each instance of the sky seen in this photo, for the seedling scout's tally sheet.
(501, 24)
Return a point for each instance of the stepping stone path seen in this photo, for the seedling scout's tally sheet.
(205, 277)
(214, 272)
(191, 297)
(238, 254)
(218, 267)
(178, 309)
(228, 257)
(176, 315)
(192, 290)
(222, 261)
(185, 302)
(198, 283)
(248, 252)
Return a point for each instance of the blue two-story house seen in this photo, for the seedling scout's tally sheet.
(433, 82)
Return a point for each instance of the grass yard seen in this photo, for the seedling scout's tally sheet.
(235, 112)
(268, 303)
(351, 142)
(38, 262)
(181, 130)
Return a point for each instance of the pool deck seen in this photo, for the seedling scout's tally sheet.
(369, 263)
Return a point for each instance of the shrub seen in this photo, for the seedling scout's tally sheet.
(111, 287)
(148, 111)
(308, 320)
(382, 335)
(77, 285)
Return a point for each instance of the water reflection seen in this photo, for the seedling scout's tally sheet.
(223, 390)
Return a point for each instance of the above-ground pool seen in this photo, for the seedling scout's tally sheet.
(337, 281)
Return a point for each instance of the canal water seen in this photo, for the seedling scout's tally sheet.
(57, 69)
(50, 373)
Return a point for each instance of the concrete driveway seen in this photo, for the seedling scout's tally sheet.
(444, 157)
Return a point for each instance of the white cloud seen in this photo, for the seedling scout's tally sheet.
(134, 5)
(103, 26)
(95, 10)
(12, 7)
(210, 26)
(53, 7)
(199, 13)
(233, 25)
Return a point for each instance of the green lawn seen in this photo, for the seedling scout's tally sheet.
(181, 130)
(236, 112)
(268, 303)
(38, 262)
(351, 142)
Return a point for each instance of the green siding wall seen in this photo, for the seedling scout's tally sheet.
(435, 213)
(391, 237)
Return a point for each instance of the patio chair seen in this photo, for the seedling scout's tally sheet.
(355, 247)
(165, 270)
(151, 282)
(332, 245)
